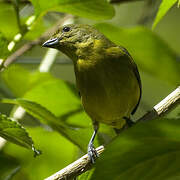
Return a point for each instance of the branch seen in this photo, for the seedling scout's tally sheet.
(83, 164)
(163, 107)
(38, 41)
(76, 168)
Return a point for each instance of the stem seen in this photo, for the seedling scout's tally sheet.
(76, 168)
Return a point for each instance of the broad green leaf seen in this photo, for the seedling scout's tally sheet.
(17, 76)
(15, 133)
(79, 137)
(8, 166)
(8, 24)
(163, 9)
(17, 79)
(4, 47)
(148, 50)
(148, 151)
(93, 9)
(55, 95)
(57, 152)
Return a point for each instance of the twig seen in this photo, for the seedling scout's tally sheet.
(76, 168)
(38, 41)
(83, 164)
(163, 107)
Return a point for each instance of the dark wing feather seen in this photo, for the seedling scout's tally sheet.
(136, 72)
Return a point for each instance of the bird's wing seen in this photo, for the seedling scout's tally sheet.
(136, 72)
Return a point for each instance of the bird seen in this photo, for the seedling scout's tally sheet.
(107, 77)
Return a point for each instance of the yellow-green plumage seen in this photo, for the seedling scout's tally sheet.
(109, 88)
(106, 76)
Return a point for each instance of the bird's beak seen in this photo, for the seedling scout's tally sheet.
(52, 43)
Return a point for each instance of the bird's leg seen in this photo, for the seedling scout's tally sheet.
(92, 153)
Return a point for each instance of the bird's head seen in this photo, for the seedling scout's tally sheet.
(74, 39)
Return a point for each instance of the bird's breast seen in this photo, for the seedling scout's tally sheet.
(109, 90)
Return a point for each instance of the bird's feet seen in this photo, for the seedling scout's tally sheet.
(92, 153)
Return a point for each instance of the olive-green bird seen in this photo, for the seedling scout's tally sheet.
(106, 76)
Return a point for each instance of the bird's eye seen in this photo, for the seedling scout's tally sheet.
(66, 29)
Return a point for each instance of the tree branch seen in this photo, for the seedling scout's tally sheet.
(83, 164)
(76, 168)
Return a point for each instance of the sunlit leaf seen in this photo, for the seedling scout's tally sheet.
(55, 95)
(93, 9)
(148, 50)
(15, 133)
(163, 9)
(148, 151)
(79, 137)
(17, 79)
(16, 76)
(7, 15)
(57, 152)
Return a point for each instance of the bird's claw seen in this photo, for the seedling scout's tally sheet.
(92, 153)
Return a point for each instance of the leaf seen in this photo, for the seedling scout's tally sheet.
(15, 133)
(79, 137)
(149, 51)
(7, 14)
(16, 76)
(163, 9)
(55, 95)
(57, 151)
(93, 9)
(148, 151)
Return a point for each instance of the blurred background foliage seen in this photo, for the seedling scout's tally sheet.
(55, 121)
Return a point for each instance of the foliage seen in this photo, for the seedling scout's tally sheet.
(55, 119)
(163, 8)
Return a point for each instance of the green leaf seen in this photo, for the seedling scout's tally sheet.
(55, 95)
(93, 9)
(16, 76)
(163, 9)
(57, 152)
(79, 137)
(15, 133)
(148, 151)
(7, 14)
(149, 51)
(3, 46)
